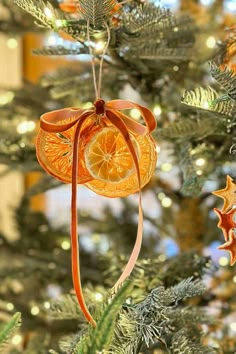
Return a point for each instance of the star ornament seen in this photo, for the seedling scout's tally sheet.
(226, 221)
(228, 194)
(230, 246)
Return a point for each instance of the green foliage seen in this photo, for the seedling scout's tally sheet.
(96, 11)
(60, 50)
(99, 338)
(9, 329)
(182, 344)
(226, 78)
(208, 100)
(37, 10)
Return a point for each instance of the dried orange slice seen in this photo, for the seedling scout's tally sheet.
(55, 151)
(107, 156)
(129, 184)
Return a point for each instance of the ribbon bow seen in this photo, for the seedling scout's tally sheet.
(55, 122)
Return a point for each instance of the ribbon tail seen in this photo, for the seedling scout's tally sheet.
(117, 121)
(74, 225)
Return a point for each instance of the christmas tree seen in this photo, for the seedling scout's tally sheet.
(175, 59)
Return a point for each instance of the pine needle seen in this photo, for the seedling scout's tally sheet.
(9, 329)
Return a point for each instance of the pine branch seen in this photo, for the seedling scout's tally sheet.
(96, 11)
(189, 129)
(208, 99)
(226, 78)
(99, 338)
(144, 17)
(154, 52)
(60, 50)
(40, 11)
(66, 307)
(182, 344)
(9, 329)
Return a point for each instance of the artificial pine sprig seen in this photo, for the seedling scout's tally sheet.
(9, 329)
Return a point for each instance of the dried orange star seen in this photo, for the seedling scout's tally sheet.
(226, 222)
(228, 194)
(230, 246)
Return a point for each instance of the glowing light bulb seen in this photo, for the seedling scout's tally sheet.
(65, 245)
(48, 12)
(166, 202)
(99, 46)
(10, 306)
(161, 195)
(162, 257)
(223, 261)
(34, 310)
(6, 97)
(211, 42)
(157, 110)
(17, 339)
(233, 326)
(98, 297)
(166, 167)
(135, 113)
(25, 127)
(12, 43)
(200, 162)
(199, 172)
(47, 305)
(234, 279)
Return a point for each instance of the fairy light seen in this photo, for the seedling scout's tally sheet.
(200, 162)
(234, 279)
(52, 39)
(223, 261)
(199, 172)
(98, 297)
(26, 126)
(233, 326)
(211, 42)
(65, 245)
(48, 12)
(175, 68)
(166, 202)
(12, 43)
(6, 97)
(60, 23)
(162, 257)
(10, 306)
(34, 310)
(161, 195)
(17, 339)
(166, 167)
(157, 110)
(47, 305)
(135, 114)
(99, 46)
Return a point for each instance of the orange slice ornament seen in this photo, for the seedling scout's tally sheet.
(105, 150)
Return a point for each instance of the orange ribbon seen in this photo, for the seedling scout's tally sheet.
(50, 122)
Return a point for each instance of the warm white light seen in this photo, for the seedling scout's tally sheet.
(48, 12)
(12, 43)
(175, 68)
(60, 23)
(135, 113)
(211, 42)
(200, 162)
(161, 195)
(199, 172)
(162, 257)
(234, 279)
(10, 306)
(52, 40)
(6, 97)
(17, 339)
(99, 46)
(34, 310)
(98, 297)
(166, 202)
(158, 149)
(176, 29)
(47, 305)
(223, 261)
(25, 127)
(233, 326)
(157, 110)
(166, 167)
(65, 245)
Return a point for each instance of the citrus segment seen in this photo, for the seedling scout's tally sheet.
(107, 156)
(129, 185)
(55, 151)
